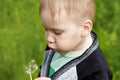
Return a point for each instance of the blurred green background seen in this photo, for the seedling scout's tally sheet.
(22, 37)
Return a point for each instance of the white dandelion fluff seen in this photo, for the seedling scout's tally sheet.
(31, 68)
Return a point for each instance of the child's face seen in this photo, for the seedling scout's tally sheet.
(62, 35)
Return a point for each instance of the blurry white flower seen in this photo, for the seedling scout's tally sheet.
(31, 68)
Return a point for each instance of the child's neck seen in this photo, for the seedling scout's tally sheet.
(88, 42)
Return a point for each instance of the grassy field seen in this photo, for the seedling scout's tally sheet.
(22, 37)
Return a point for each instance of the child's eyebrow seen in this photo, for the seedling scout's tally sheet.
(59, 30)
(53, 29)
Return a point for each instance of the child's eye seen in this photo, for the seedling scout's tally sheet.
(57, 33)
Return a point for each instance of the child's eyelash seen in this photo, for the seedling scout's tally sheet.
(58, 33)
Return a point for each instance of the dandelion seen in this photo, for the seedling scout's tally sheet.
(31, 68)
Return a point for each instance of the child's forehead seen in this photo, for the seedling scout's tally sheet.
(56, 16)
(47, 18)
(58, 21)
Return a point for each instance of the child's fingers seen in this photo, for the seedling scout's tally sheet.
(42, 78)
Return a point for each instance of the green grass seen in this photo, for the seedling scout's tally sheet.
(22, 37)
(107, 27)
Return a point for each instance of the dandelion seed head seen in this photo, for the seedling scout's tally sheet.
(32, 67)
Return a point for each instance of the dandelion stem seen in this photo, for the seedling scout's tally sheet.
(30, 76)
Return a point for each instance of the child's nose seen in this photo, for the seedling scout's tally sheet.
(50, 38)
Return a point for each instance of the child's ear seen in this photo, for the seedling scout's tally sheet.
(86, 28)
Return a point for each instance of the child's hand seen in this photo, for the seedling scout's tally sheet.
(42, 78)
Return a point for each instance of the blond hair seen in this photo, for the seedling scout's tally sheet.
(79, 8)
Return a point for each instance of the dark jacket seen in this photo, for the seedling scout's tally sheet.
(89, 66)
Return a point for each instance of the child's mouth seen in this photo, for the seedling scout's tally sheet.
(53, 49)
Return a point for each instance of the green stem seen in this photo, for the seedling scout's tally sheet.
(30, 76)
